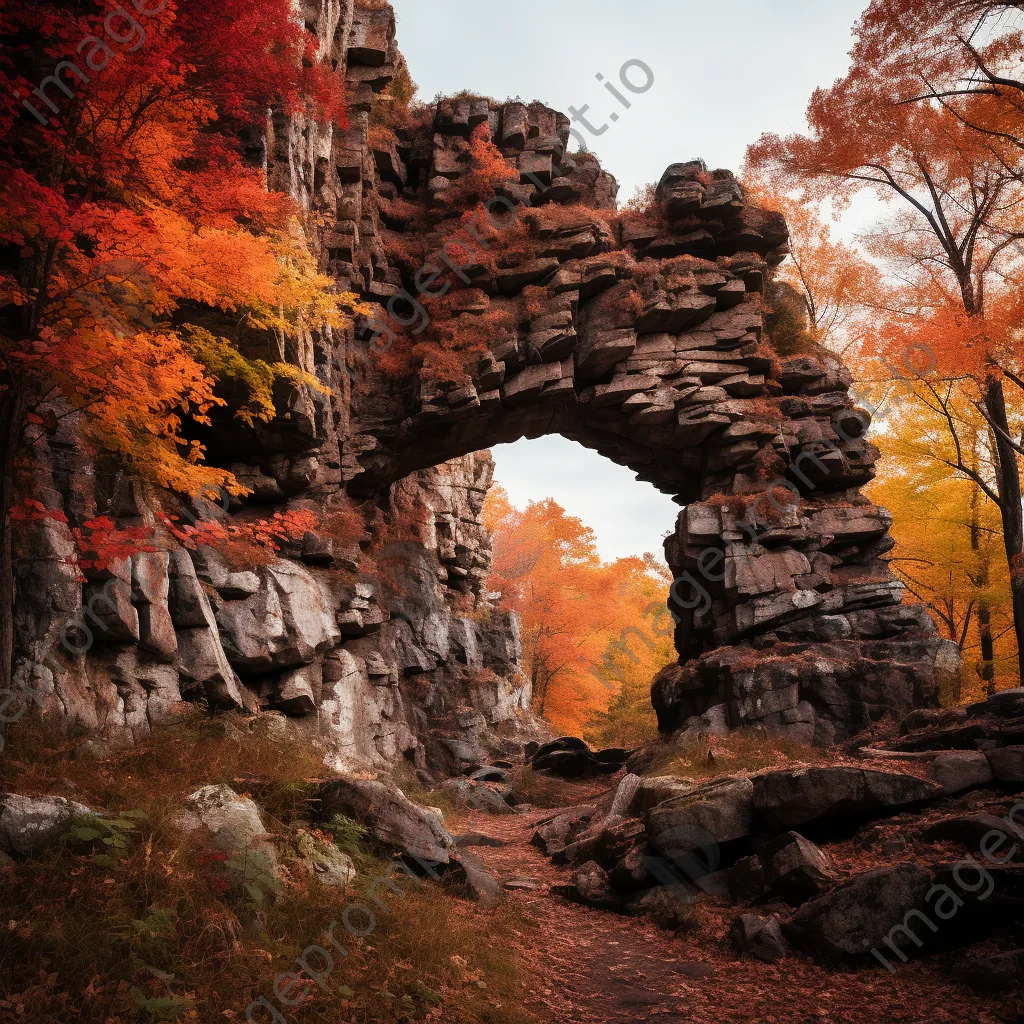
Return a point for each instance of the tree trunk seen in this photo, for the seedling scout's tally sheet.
(12, 411)
(539, 692)
(987, 668)
(1008, 482)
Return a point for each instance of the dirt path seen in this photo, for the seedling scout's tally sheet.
(597, 967)
(592, 966)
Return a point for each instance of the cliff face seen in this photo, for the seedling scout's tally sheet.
(407, 661)
(643, 340)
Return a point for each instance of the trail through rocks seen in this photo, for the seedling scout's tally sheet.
(598, 967)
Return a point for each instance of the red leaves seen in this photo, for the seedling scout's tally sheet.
(269, 534)
(30, 510)
(101, 543)
(153, 208)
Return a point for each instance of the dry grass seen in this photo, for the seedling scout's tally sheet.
(155, 938)
(741, 753)
(545, 791)
(173, 761)
(166, 931)
(540, 790)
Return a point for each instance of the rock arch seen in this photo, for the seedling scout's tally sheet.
(643, 339)
(787, 614)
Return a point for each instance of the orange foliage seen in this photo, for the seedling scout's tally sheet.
(922, 120)
(134, 201)
(643, 209)
(381, 137)
(449, 343)
(585, 623)
(270, 535)
(835, 281)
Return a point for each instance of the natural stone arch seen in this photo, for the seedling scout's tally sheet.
(787, 614)
(801, 628)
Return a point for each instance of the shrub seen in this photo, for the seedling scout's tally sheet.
(169, 931)
(348, 835)
(381, 137)
(488, 171)
(390, 108)
(744, 750)
(113, 833)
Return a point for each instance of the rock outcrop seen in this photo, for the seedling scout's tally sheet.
(640, 337)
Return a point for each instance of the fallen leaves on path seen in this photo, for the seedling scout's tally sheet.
(596, 967)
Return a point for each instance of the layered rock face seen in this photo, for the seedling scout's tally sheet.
(642, 338)
(408, 661)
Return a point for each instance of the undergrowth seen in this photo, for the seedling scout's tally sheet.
(539, 789)
(131, 920)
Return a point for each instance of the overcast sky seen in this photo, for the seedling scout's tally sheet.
(723, 74)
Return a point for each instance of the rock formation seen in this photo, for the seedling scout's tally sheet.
(642, 338)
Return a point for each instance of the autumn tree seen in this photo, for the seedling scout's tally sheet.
(942, 52)
(640, 644)
(953, 246)
(590, 629)
(834, 282)
(126, 205)
(948, 536)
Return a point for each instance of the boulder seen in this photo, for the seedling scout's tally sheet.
(966, 829)
(467, 754)
(523, 885)
(657, 789)
(872, 910)
(959, 770)
(613, 757)
(672, 907)
(558, 832)
(1007, 763)
(232, 822)
(478, 839)
(795, 868)
(632, 873)
(476, 796)
(997, 973)
(625, 794)
(590, 886)
(606, 845)
(390, 816)
(760, 937)
(1006, 703)
(747, 880)
(491, 773)
(714, 813)
(792, 797)
(925, 718)
(31, 824)
(323, 861)
(568, 764)
(570, 758)
(468, 876)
